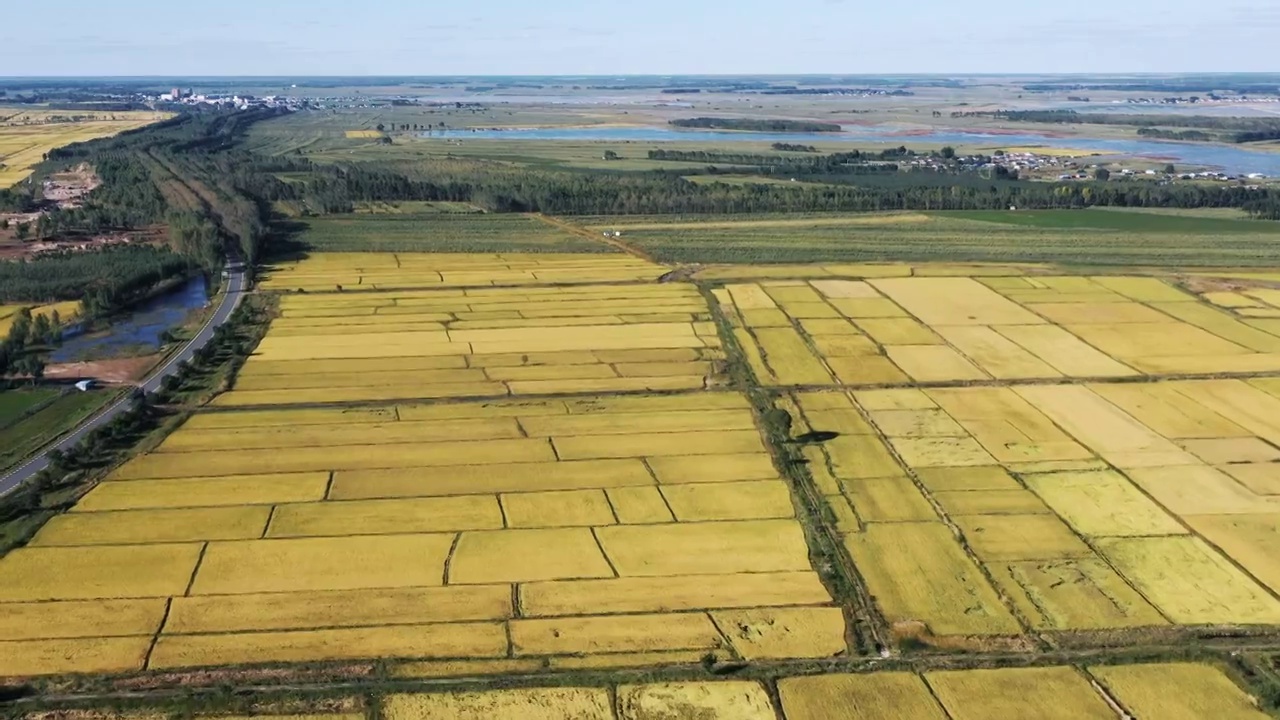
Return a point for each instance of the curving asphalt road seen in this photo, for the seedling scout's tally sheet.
(230, 299)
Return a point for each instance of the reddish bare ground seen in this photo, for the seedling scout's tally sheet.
(122, 371)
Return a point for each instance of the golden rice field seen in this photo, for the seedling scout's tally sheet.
(880, 331)
(1169, 691)
(537, 529)
(352, 272)
(66, 311)
(26, 135)
(482, 342)
(476, 465)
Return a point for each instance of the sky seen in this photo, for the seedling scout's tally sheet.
(616, 37)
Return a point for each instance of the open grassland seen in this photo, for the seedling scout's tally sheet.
(26, 135)
(428, 230)
(407, 532)
(1069, 237)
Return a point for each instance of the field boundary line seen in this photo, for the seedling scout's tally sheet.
(587, 234)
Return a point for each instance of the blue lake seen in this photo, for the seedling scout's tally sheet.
(140, 328)
(1234, 160)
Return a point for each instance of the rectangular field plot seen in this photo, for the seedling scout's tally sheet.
(588, 525)
(400, 345)
(1174, 691)
(325, 272)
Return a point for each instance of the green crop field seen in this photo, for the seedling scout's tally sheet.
(24, 438)
(1068, 237)
(14, 404)
(434, 231)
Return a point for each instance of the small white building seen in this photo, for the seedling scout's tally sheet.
(85, 385)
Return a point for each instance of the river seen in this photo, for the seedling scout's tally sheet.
(1226, 158)
(138, 331)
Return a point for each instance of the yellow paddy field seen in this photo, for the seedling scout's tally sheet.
(478, 465)
(26, 135)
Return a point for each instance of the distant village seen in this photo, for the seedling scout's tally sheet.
(1033, 165)
(239, 102)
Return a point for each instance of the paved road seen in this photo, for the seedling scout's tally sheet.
(235, 290)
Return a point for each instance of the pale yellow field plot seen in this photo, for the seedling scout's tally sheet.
(898, 331)
(1201, 490)
(777, 633)
(870, 696)
(401, 641)
(81, 618)
(954, 301)
(724, 547)
(1081, 593)
(933, 363)
(919, 572)
(1020, 537)
(1177, 691)
(615, 634)
(75, 573)
(1144, 289)
(205, 492)
(258, 566)
(386, 517)
(338, 608)
(1104, 504)
(153, 526)
(997, 355)
(711, 700)
(497, 556)
(527, 704)
(1190, 582)
(81, 655)
(1102, 427)
(1253, 541)
(1054, 693)
(671, 594)
(1161, 407)
(1009, 427)
(1064, 352)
